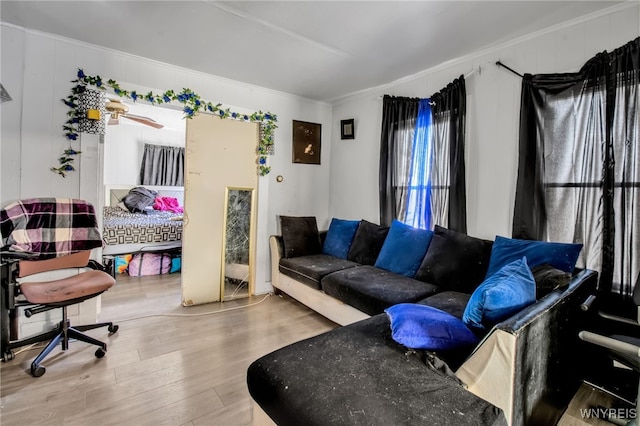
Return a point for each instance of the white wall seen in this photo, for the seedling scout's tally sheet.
(493, 104)
(37, 69)
(124, 142)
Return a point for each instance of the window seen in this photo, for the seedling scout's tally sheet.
(422, 174)
(579, 167)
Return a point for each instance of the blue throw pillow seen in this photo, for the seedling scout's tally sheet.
(425, 327)
(501, 295)
(339, 237)
(403, 249)
(562, 256)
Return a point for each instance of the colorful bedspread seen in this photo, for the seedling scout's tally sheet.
(123, 227)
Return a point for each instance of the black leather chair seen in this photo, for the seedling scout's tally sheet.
(622, 348)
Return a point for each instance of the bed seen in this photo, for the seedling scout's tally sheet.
(124, 232)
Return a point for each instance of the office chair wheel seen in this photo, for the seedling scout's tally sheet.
(113, 329)
(100, 353)
(8, 356)
(37, 371)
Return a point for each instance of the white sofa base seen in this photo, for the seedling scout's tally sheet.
(327, 306)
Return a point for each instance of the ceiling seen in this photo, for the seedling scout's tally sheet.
(321, 50)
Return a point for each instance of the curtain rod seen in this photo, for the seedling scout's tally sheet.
(500, 64)
(478, 69)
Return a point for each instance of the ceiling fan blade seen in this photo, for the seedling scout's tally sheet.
(144, 120)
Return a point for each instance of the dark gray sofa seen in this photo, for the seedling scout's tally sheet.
(524, 370)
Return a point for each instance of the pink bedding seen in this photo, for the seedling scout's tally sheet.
(167, 204)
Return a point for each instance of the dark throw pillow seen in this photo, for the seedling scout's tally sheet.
(548, 279)
(139, 199)
(367, 243)
(425, 327)
(501, 295)
(559, 255)
(403, 249)
(339, 237)
(455, 261)
(300, 236)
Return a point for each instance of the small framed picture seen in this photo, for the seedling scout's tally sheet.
(306, 142)
(347, 130)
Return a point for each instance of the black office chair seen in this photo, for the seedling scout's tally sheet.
(624, 349)
(41, 296)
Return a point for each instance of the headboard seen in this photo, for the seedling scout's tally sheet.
(115, 193)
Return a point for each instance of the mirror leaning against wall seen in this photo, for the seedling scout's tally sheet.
(237, 275)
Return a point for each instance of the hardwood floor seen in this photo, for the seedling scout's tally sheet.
(167, 364)
(583, 409)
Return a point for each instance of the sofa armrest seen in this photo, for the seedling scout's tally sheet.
(534, 358)
(276, 247)
(583, 282)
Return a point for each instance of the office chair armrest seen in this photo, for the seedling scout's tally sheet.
(7, 255)
(587, 305)
(610, 343)
(618, 319)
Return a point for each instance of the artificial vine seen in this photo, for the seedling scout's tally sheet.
(192, 105)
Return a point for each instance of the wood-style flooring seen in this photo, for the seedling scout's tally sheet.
(584, 407)
(167, 364)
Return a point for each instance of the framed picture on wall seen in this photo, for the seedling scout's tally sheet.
(306, 142)
(347, 130)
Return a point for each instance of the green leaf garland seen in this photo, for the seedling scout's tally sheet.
(192, 105)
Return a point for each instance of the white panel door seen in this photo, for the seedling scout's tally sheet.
(219, 154)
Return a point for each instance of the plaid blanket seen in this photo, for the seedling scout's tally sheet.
(49, 227)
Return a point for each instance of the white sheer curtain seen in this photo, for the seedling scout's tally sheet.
(440, 170)
(573, 135)
(626, 200)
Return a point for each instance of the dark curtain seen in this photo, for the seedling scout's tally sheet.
(398, 123)
(162, 165)
(449, 114)
(579, 158)
(625, 135)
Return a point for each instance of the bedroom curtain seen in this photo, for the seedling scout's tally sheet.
(162, 165)
(579, 165)
(422, 168)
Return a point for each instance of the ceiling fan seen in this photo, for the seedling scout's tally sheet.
(117, 109)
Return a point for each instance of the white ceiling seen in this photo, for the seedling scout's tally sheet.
(317, 49)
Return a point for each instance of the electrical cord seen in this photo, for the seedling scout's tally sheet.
(199, 314)
(42, 344)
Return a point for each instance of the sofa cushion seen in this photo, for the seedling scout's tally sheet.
(357, 375)
(367, 243)
(455, 261)
(452, 302)
(501, 295)
(300, 236)
(403, 249)
(372, 290)
(339, 237)
(425, 327)
(548, 279)
(559, 255)
(310, 269)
